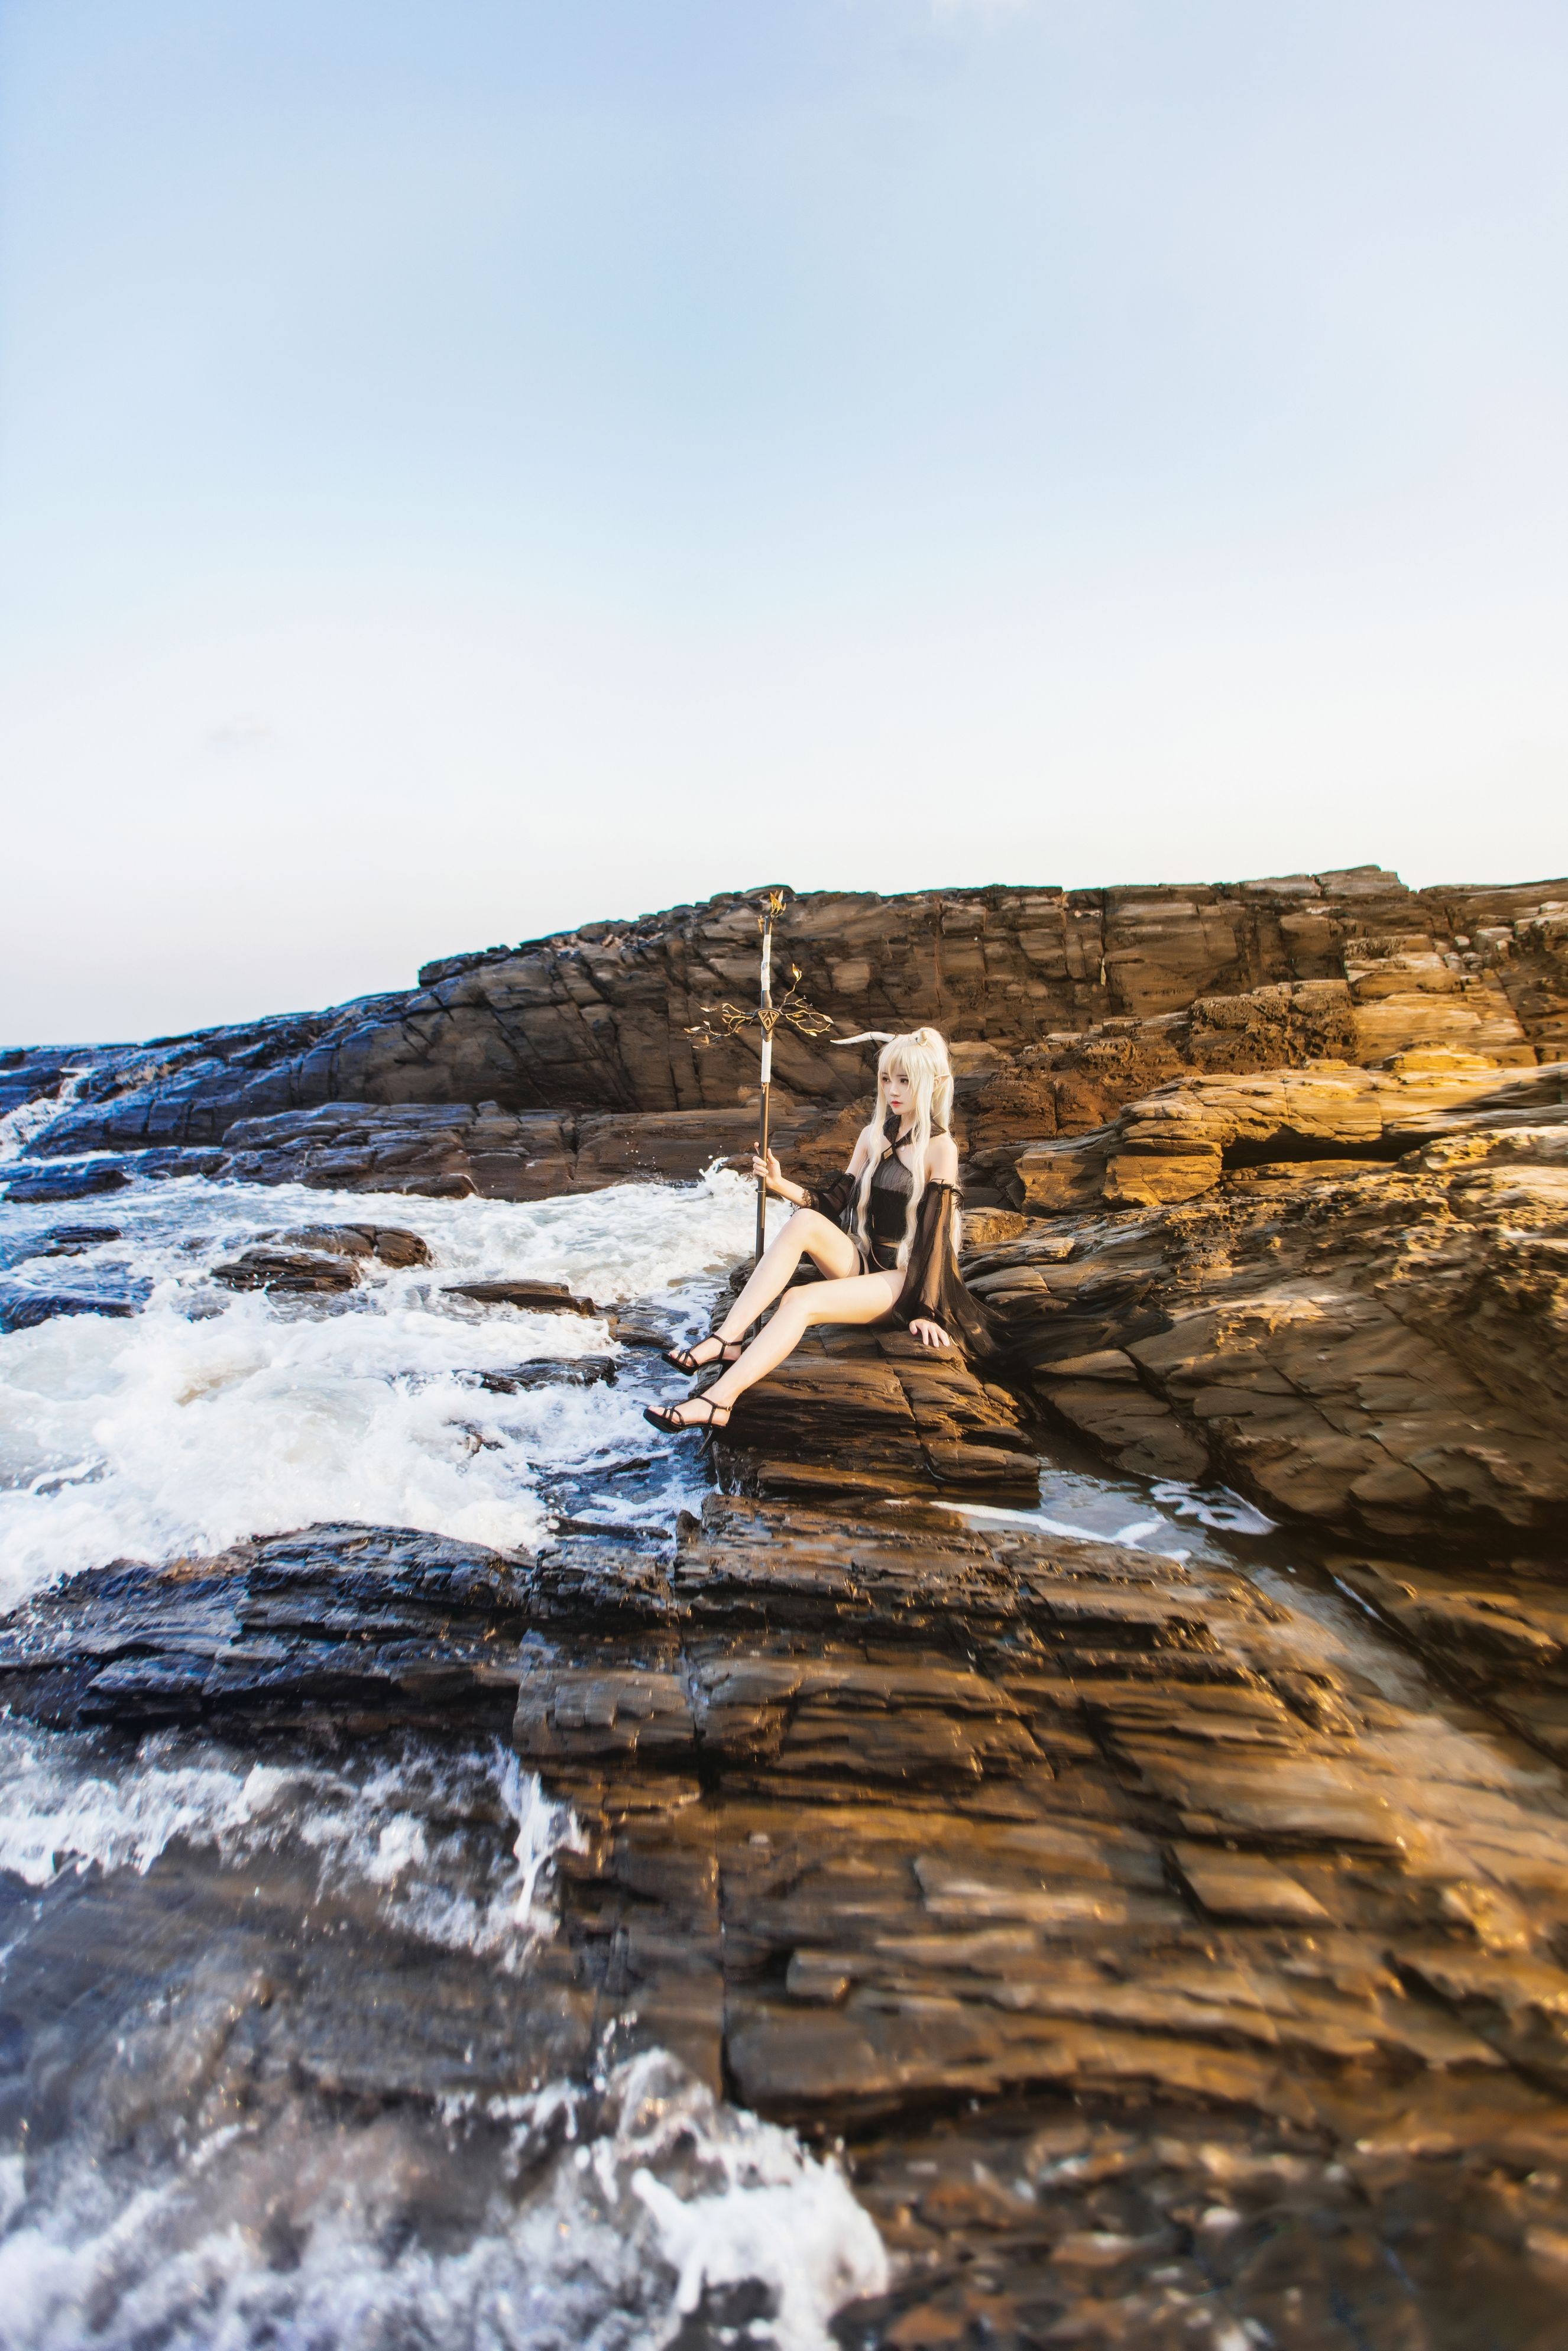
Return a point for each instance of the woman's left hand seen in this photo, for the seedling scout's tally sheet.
(930, 1334)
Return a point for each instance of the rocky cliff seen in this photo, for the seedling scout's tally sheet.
(1074, 985)
(1362, 1316)
(1269, 1176)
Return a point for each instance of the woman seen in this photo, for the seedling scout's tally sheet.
(884, 1235)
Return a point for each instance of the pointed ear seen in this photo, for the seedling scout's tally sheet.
(866, 1037)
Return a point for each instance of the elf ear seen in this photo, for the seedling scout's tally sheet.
(866, 1037)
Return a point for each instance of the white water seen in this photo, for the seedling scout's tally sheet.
(587, 2213)
(19, 1126)
(665, 2192)
(63, 1808)
(209, 1415)
(594, 2216)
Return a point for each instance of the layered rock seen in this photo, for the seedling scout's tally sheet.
(856, 1413)
(1497, 1628)
(453, 1151)
(1175, 1143)
(319, 1257)
(598, 1019)
(1177, 1961)
(23, 1309)
(1004, 1099)
(1380, 1344)
(1171, 1965)
(1202, 1104)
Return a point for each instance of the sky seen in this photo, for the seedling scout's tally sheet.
(473, 466)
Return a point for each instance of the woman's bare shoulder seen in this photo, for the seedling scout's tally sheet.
(858, 1158)
(941, 1160)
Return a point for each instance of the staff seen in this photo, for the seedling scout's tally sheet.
(775, 906)
(791, 1007)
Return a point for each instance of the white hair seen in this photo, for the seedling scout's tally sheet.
(921, 1059)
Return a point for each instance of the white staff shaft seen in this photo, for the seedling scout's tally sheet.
(766, 977)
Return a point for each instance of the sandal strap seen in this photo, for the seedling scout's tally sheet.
(712, 1411)
(663, 1415)
(685, 1359)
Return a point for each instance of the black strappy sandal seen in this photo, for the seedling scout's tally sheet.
(662, 1416)
(685, 1359)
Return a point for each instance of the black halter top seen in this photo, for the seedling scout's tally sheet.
(888, 1207)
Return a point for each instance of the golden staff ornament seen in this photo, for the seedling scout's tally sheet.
(792, 1008)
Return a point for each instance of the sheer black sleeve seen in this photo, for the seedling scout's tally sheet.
(831, 1199)
(934, 1289)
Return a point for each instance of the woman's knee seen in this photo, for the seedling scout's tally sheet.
(793, 1237)
(827, 1245)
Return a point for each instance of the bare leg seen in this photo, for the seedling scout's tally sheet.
(862, 1298)
(807, 1234)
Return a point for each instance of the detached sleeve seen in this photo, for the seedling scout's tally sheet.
(934, 1289)
(831, 1199)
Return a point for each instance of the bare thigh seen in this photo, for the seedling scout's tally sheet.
(862, 1298)
(857, 1298)
(827, 1245)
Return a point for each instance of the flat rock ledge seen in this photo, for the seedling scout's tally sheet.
(1164, 1960)
(855, 1415)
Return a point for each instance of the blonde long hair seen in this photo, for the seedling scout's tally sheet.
(923, 1058)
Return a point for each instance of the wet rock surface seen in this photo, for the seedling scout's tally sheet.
(551, 1370)
(29, 1184)
(25, 1308)
(535, 1297)
(459, 1150)
(1173, 1956)
(1369, 1345)
(59, 1272)
(368, 1624)
(305, 1271)
(1495, 1628)
(319, 1257)
(67, 1241)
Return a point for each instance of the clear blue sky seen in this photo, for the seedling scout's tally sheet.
(471, 466)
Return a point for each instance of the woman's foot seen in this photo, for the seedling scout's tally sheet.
(697, 1359)
(693, 1412)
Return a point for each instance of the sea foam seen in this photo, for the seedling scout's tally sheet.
(209, 1415)
(656, 2195)
(594, 2213)
(394, 1823)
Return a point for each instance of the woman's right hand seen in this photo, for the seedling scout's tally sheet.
(769, 1168)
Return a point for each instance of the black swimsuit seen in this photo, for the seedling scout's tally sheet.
(888, 1210)
(933, 1288)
